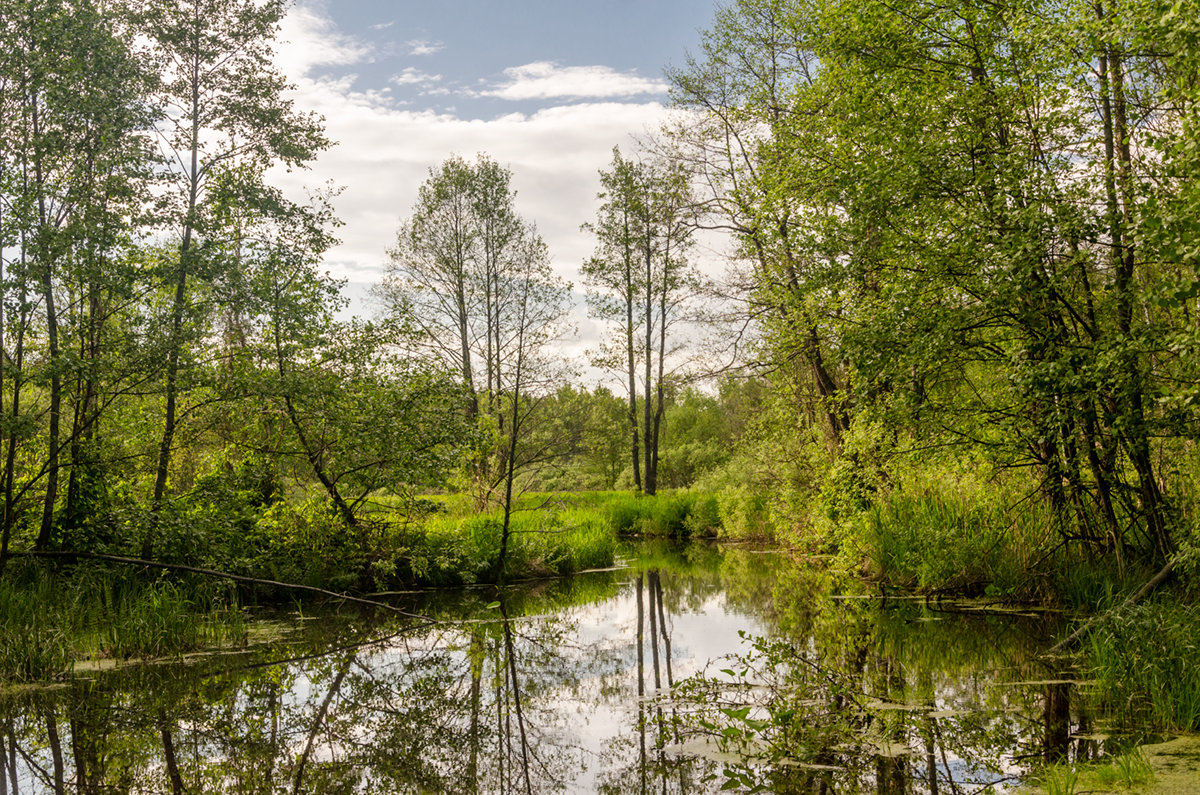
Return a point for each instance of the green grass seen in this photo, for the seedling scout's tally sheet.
(1143, 661)
(679, 514)
(553, 534)
(1113, 774)
(50, 619)
(953, 538)
(455, 550)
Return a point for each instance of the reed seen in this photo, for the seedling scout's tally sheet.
(1143, 661)
(50, 619)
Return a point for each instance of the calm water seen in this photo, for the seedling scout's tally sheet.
(690, 668)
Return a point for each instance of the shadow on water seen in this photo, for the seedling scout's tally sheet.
(692, 669)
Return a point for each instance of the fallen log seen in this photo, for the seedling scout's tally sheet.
(1142, 593)
(225, 575)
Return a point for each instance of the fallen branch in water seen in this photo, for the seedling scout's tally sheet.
(1151, 584)
(221, 575)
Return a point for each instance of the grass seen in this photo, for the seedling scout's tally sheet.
(50, 619)
(958, 537)
(679, 514)
(1143, 661)
(457, 550)
(1122, 772)
(553, 534)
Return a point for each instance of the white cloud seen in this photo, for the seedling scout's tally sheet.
(309, 39)
(547, 80)
(383, 25)
(413, 77)
(424, 47)
(385, 151)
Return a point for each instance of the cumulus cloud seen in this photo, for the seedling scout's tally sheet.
(548, 80)
(385, 149)
(308, 39)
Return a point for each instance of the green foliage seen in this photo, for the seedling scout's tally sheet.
(1143, 659)
(743, 513)
(677, 514)
(452, 550)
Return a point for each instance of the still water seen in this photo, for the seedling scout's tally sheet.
(687, 669)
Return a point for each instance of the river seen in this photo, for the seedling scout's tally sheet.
(685, 669)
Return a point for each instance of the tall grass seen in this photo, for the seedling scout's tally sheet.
(457, 550)
(952, 537)
(681, 514)
(551, 534)
(1143, 660)
(1121, 772)
(48, 619)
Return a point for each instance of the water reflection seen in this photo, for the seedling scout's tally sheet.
(614, 682)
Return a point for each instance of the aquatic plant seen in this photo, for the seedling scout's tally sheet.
(1144, 663)
(50, 618)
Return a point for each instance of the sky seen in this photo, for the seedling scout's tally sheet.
(545, 87)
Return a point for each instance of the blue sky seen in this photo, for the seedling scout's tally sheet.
(546, 88)
(463, 51)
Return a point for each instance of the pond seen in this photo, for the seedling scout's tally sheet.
(686, 669)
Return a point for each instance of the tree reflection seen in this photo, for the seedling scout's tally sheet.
(844, 696)
(861, 696)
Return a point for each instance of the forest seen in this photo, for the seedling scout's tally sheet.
(959, 348)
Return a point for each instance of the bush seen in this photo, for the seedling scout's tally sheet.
(705, 516)
(743, 514)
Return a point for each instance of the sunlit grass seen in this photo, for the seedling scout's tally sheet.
(1125, 771)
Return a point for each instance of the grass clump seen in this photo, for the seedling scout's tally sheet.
(680, 514)
(1143, 660)
(1113, 774)
(953, 534)
(458, 550)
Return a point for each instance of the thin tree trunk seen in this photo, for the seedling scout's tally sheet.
(510, 652)
(647, 387)
(172, 765)
(46, 276)
(175, 345)
(56, 756)
(631, 358)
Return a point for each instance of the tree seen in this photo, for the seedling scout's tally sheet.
(222, 104)
(527, 369)
(959, 206)
(334, 395)
(73, 163)
(640, 283)
(473, 279)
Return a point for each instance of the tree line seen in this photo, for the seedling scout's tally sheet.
(168, 333)
(968, 233)
(164, 314)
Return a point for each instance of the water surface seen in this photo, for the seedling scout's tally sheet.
(688, 669)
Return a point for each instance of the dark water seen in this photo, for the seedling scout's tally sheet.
(618, 681)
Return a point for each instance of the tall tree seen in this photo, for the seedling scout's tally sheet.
(74, 163)
(640, 282)
(959, 206)
(472, 278)
(223, 104)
